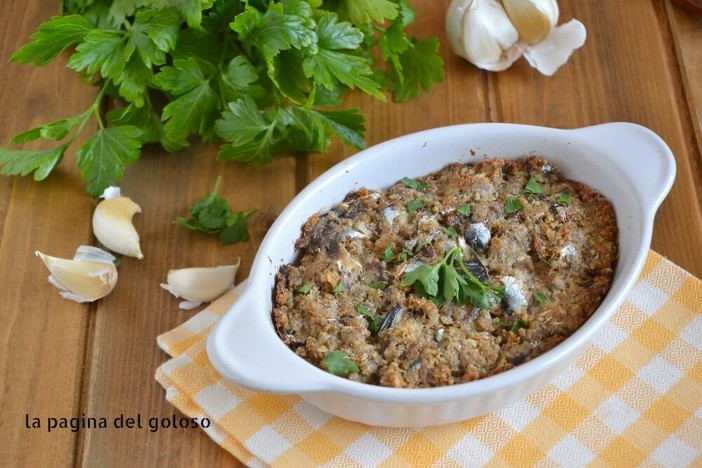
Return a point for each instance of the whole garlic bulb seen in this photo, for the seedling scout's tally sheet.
(493, 34)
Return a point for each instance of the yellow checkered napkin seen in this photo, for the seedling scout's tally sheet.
(634, 398)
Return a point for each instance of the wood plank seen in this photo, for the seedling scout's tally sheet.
(686, 29)
(42, 336)
(124, 352)
(625, 72)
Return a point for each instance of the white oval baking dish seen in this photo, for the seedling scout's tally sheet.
(627, 163)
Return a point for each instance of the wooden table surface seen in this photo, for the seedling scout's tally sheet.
(642, 62)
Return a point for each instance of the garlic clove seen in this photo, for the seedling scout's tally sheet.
(112, 223)
(550, 7)
(549, 55)
(533, 19)
(481, 32)
(198, 285)
(89, 276)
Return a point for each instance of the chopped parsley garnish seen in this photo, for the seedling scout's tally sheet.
(514, 326)
(512, 205)
(340, 287)
(374, 320)
(304, 288)
(443, 282)
(378, 284)
(534, 187)
(414, 184)
(451, 232)
(414, 205)
(388, 254)
(464, 209)
(404, 255)
(338, 363)
(564, 199)
(541, 299)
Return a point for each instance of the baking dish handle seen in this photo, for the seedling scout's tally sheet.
(642, 153)
(242, 349)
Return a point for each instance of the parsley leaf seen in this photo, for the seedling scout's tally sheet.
(388, 254)
(239, 79)
(512, 205)
(57, 130)
(272, 31)
(23, 162)
(420, 67)
(329, 66)
(414, 184)
(451, 232)
(374, 320)
(339, 287)
(251, 133)
(195, 107)
(365, 11)
(541, 299)
(514, 326)
(191, 10)
(348, 124)
(378, 284)
(103, 157)
(335, 35)
(534, 187)
(236, 229)
(154, 33)
(304, 288)
(338, 363)
(564, 199)
(101, 51)
(451, 280)
(464, 210)
(211, 214)
(427, 275)
(414, 205)
(146, 120)
(52, 38)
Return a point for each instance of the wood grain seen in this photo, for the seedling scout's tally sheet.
(641, 63)
(687, 27)
(125, 355)
(42, 337)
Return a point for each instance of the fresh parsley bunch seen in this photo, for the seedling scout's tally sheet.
(263, 77)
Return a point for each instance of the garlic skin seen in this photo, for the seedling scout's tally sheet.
(198, 285)
(481, 32)
(112, 223)
(89, 276)
(493, 34)
(549, 55)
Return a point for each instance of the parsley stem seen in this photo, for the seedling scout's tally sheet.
(457, 255)
(89, 112)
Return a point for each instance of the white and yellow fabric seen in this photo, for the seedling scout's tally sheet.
(634, 398)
